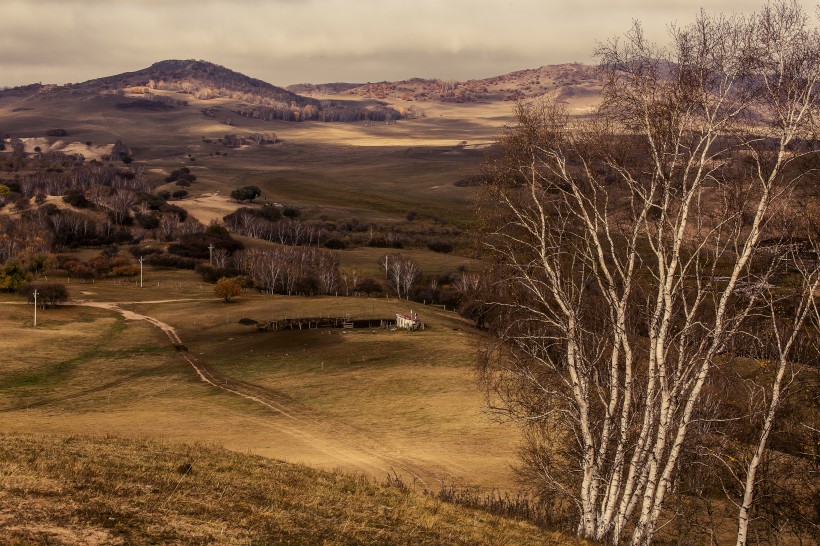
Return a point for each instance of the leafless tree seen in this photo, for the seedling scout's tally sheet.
(220, 257)
(401, 273)
(784, 315)
(327, 269)
(169, 226)
(628, 246)
(119, 204)
(280, 269)
(350, 277)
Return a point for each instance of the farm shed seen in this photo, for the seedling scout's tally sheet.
(408, 321)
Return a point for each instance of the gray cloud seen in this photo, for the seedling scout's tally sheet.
(289, 41)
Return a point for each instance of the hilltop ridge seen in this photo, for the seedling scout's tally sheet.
(200, 79)
(204, 80)
(568, 80)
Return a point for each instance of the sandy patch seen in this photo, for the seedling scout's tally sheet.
(89, 152)
(210, 206)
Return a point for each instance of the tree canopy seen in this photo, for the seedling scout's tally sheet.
(246, 193)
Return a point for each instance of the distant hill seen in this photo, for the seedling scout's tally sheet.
(199, 79)
(323, 88)
(568, 80)
(79, 490)
(169, 84)
(221, 93)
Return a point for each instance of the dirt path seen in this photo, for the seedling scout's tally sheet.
(359, 452)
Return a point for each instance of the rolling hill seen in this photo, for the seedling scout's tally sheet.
(568, 80)
(200, 79)
(387, 160)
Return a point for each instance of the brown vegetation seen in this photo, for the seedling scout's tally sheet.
(71, 490)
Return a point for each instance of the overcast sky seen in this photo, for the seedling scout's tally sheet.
(295, 41)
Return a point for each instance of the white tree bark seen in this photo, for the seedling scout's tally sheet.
(636, 213)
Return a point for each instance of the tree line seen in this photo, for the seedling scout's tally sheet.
(311, 112)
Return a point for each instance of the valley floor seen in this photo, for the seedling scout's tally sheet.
(366, 401)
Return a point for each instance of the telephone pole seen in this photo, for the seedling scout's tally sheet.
(140, 271)
(35, 307)
(211, 254)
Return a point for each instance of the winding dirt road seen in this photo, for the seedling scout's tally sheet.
(328, 438)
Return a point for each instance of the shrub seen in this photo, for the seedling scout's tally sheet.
(227, 288)
(335, 244)
(125, 271)
(307, 285)
(213, 274)
(169, 261)
(50, 209)
(291, 212)
(179, 194)
(268, 212)
(369, 285)
(81, 270)
(154, 202)
(75, 198)
(48, 294)
(246, 193)
(147, 221)
(13, 276)
(216, 229)
(440, 246)
(56, 132)
(195, 245)
(179, 211)
(382, 242)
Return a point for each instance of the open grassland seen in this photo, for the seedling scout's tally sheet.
(110, 490)
(409, 399)
(374, 172)
(363, 400)
(372, 184)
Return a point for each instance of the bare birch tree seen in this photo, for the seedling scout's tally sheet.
(401, 273)
(785, 332)
(628, 247)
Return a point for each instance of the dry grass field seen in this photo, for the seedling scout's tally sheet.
(152, 492)
(362, 400)
(374, 172)
(367, 402)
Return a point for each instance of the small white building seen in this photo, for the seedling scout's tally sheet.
(408, 321)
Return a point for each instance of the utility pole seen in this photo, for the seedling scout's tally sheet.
(140, 271)
(211, 254)
(35, 307)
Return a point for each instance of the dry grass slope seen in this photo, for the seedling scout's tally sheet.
(110, 490)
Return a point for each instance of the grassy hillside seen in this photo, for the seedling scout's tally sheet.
(110, 490)
(366, 401)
